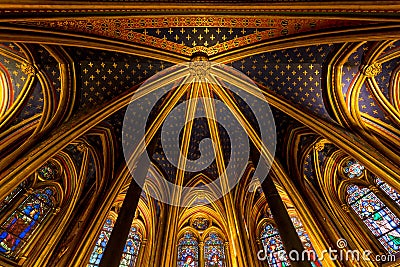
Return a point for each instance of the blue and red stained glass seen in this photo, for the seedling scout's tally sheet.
(19, 226)
(382, 222)
(214, 252)
(101, 243)
(273, 246)
(188, 251)
(354, 193)
(367, 205)
(353, 169)
(131, 249)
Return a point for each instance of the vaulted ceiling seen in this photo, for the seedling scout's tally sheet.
(64, 66)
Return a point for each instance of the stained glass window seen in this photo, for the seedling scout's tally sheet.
(376, 216)
(131, 249)
(353, 169)
(17, 229)
(48, 171)
(101, 243)
(188, 251)
(393, 194)
(214, 253)
(273, 246)
(305, 240)
(13, 195)
(200, 223)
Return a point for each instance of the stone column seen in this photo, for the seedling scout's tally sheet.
(115, 246)
(290, 238)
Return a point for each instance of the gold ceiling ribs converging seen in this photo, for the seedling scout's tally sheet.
(235, 110)
(219, 156)
(170, 103)
(347, 110)
(195, 88)
(349, 142)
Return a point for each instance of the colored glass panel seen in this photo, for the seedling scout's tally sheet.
(382, 222)
(201, 223)
(353, 169)
(214, 252)
(393, 194)
(8, 199)
(131, 249)
(273, 246)
(188, 251)
(354, 193)
(367, 205)
(305, 240)
(19, 226)
(48, 171)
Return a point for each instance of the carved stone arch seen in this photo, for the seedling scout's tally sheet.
(262, 223)
(333, 189)
(69, 192)
(194, 194)
(223, 235)
(155, 184)
(188, 229)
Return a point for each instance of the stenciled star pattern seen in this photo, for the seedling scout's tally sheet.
(17, 76)
(294, 74)
(13, 48)
(52, 71)
(34, 105)
(104, 75)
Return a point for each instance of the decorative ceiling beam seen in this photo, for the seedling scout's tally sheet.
(27, 8)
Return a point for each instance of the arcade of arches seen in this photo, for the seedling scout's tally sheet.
(330, 73)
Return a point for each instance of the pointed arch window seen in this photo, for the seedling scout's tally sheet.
(18, 191)
(376, 216)
(214, 253)
(188, 251)
(272, 241)
(18, 228)
(305, 240)
(393, 194)
(131, 249)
